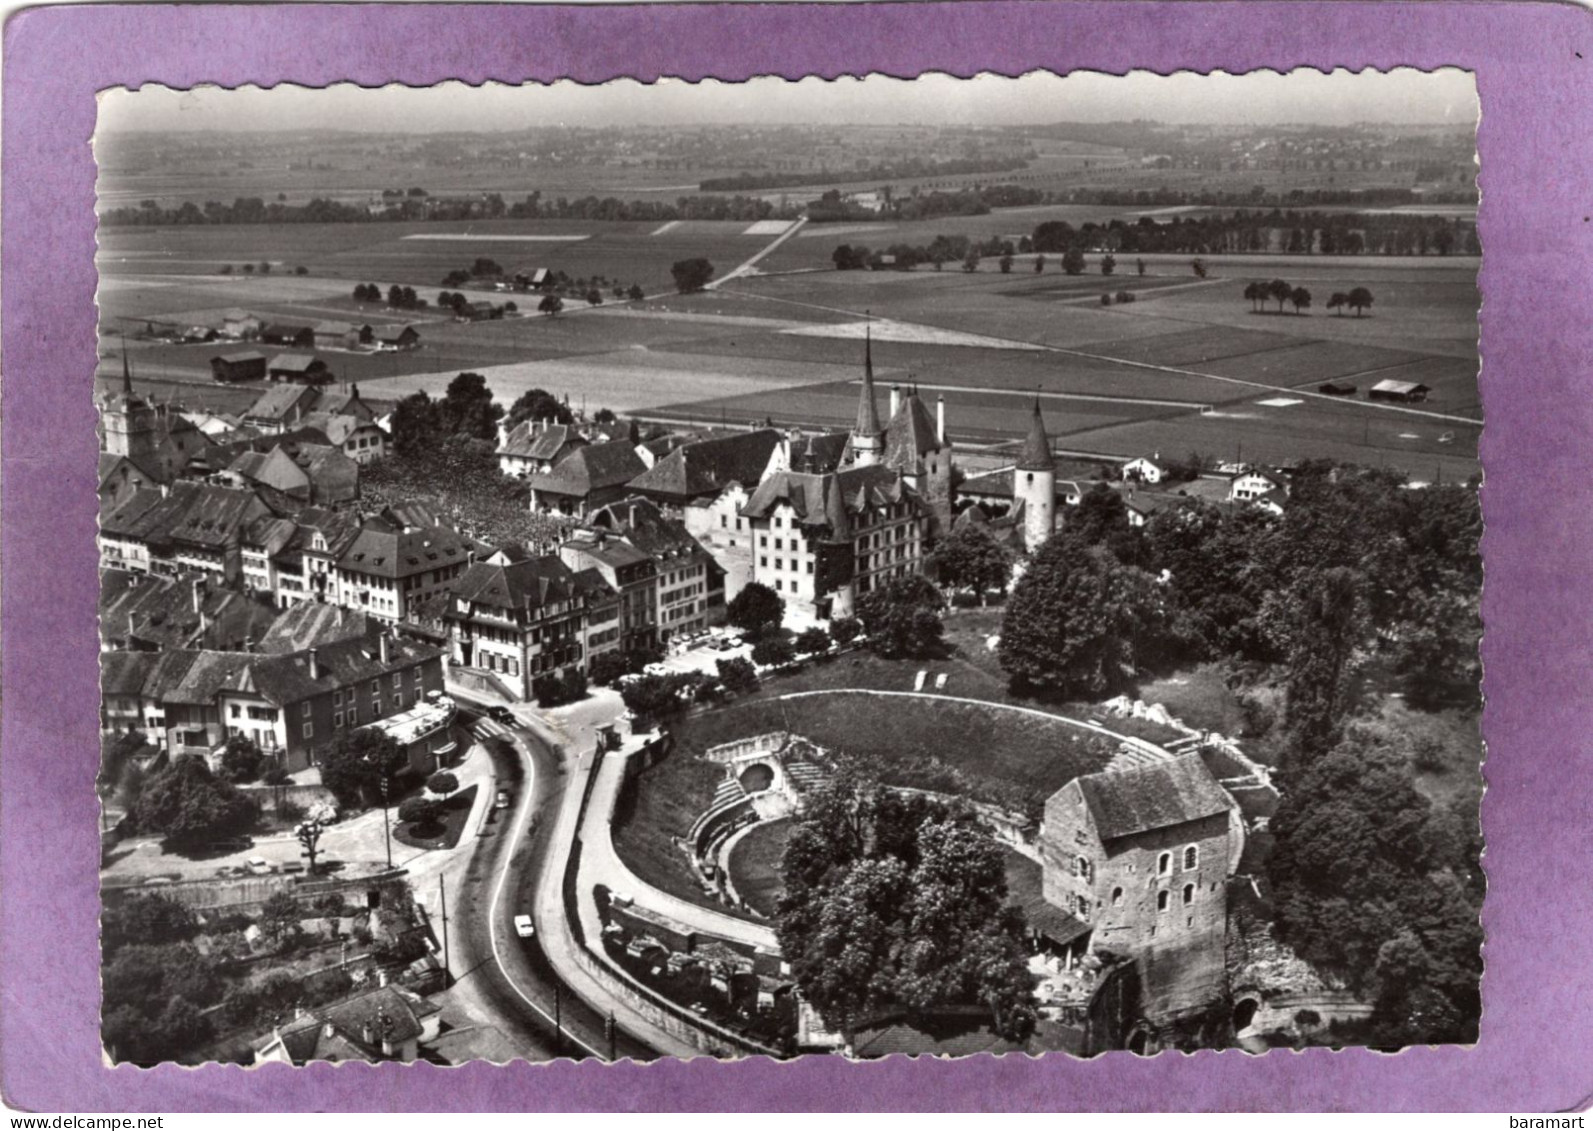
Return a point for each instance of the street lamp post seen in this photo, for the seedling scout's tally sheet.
(387, 827)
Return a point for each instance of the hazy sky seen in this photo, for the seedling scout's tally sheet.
(1264, 97)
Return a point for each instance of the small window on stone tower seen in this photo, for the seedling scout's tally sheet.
(1029, 478)
(1191, 858)
(1117, 897)
(1189, 894)
(1164, 863)
(1161, 901)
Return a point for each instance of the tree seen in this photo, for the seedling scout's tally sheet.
(594, 297)
(756, 610)
(1005, 263)
(1101, 513)
(1039, 264)
(1198, 266)
(415, 425)
(1079, 621)
(240, 760)
(226, 269)
(691, 274)
(1337, 301)
(971, 559)
(538, 404)
(467, 409)
(1073, 261)
(550, 305)
(660, 697)
(186, 803)
(812, 641)
(1108, 264)
(772, 652)
(1279, 291)
(606, 667)
(265, 267)
(148, 919)
(635, 294)
(737, 674)
(420, 812)
(1299, 298)
(279, 919)
(1255, 293)
(845, 630)
(892, 902)
(1139, 266)
(442, 783)
(1328, 627)
(1359, 299)
(358, 762)
(970, 262)
(903, 618)
(309, 837)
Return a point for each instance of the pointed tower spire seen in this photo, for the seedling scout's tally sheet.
(866, 436)
(1036, 453)
(127, 372)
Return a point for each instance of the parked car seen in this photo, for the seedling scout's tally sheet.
(498, 713)
(505, 799)
(259, 866)
(522, 926)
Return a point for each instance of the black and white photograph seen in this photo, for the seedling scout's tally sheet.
(932, 566)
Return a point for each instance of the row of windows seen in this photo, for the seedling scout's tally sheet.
(1191, 860)
(779, 543)
(779, 563)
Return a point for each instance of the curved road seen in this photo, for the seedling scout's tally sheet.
(509, 975)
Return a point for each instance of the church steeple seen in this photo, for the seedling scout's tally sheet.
(867, 435)
(1036, 453)
(127, 371)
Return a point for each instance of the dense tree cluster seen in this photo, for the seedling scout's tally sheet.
(357, 765)
(757, 610)
(691, 274)
(970, 558)
(555, 689)
(903, 618)
(891, 902)
(1247, 230)
(1377, 885)
(899, 169)
(186, 803)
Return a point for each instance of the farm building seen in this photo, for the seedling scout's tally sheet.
(240, 324)
(249, 365)
(533, 277)
(395, 337)
(279, 407)
(344, 335)
(1336, 389)
(299, 369)
(288, 334)
(1403, 392)
(477, 312)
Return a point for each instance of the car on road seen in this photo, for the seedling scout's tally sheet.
(498, 713)
(258, 866)
(522, 926)
(505, 799)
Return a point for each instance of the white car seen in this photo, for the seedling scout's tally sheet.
(522, 926)
(258, 866)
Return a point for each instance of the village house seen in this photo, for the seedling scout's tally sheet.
(1398, 392)
(160, 442)
(360, 440)
(304, 569)
(312, 624)
(519, 620)
(273, 469)
(343, 335)
(630, 573)
(388, 571)
(280, 408)
(120, 477)
(346, 401)
(590, 476)
(395, 337)
(702, 469)
(1146, 469)
(690, 589)
(246, 365)
(1254, 483)
(532, 447)
(1141, 857)
(187, 526)
(384, 1023)
(718, 525)
(140, 612)
(240, 325)
(260, 544)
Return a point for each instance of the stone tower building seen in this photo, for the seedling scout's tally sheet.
(132, 428)
(1034, 483)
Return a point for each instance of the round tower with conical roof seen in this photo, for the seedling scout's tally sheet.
(1034, 483)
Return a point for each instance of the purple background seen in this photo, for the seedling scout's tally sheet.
(1537, 118)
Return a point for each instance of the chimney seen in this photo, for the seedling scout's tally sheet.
(896, 399)
(940, 419)
(248, 644)
(315, 664)
(199, 594)
(386, 646)
(340, 612)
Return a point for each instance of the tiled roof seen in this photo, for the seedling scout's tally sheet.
(311, 624)
(707, 467)
(355, 1028)
(815, 499)
(295, 362)
(1036, 453)
(593, 467)
(1157, 796)
(380, 552)
(285, 678)
(950, 1033)
(522, 585)
(278, 402)
(161, 612)
(531, 440)
(641, 523)
(272, 468)
(240, 356)
(198, 513)
(819, 452)
(910, 436)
